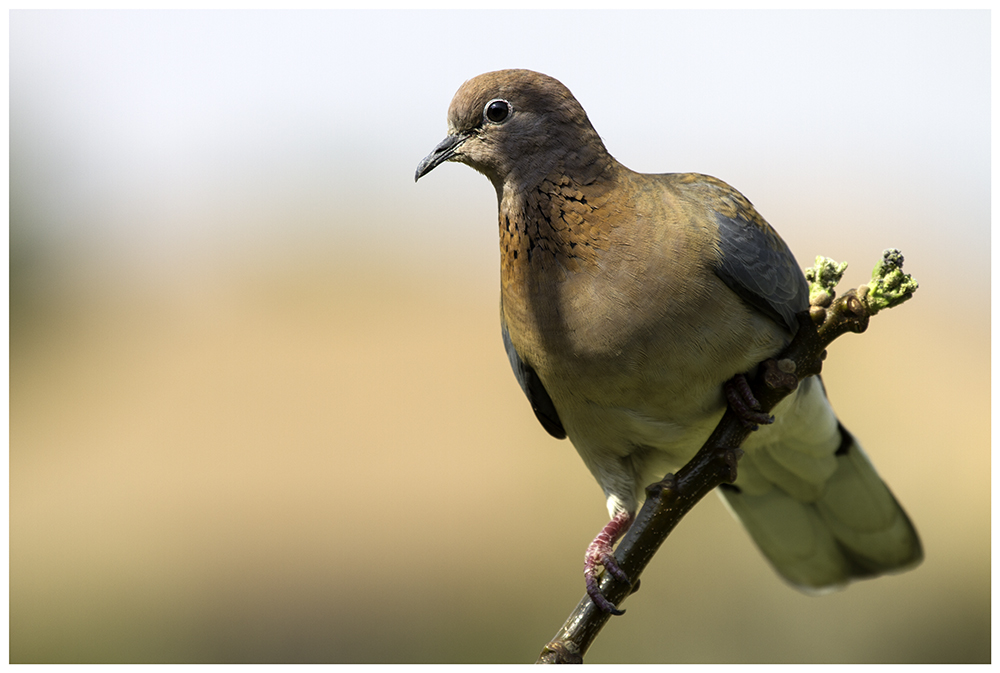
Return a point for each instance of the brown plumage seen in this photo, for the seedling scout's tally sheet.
(628, 300)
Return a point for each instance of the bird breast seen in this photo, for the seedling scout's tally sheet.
(620, 305)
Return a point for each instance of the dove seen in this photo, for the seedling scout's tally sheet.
(634, 306)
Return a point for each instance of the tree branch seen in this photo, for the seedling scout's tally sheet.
(668, 500)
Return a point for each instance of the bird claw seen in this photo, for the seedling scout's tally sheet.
(744, 404)
(601, 553)
(606, 559)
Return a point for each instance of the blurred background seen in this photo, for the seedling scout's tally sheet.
(259, 405)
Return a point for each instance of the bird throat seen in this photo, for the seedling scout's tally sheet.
(557, 228)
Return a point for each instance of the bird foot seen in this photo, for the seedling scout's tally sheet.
(601, 553)
(743, 402)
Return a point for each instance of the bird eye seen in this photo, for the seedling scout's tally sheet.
(497, 110)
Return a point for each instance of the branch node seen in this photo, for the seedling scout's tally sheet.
(560, 652)
(780, 374)
(655, 490)
(818, 315)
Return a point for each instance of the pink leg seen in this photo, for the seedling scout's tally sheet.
(601, 553)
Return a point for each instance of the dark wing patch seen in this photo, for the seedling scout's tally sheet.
(760, 268)
(538, 397)
(753, 260)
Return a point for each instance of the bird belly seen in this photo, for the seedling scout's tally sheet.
(639, 390)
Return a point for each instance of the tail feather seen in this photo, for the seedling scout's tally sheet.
(865, 518)
(820, 528)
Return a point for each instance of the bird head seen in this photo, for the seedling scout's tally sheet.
(517, 127)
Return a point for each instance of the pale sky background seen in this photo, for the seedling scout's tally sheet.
(157, 137)
(259, 406)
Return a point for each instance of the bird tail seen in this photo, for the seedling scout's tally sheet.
(822, 533)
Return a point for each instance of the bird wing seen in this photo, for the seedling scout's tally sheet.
(760, 268)
(753, 260)
(538, 397)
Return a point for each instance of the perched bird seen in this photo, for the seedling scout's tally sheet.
(631, 304)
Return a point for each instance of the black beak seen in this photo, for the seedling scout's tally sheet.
(443, 152)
